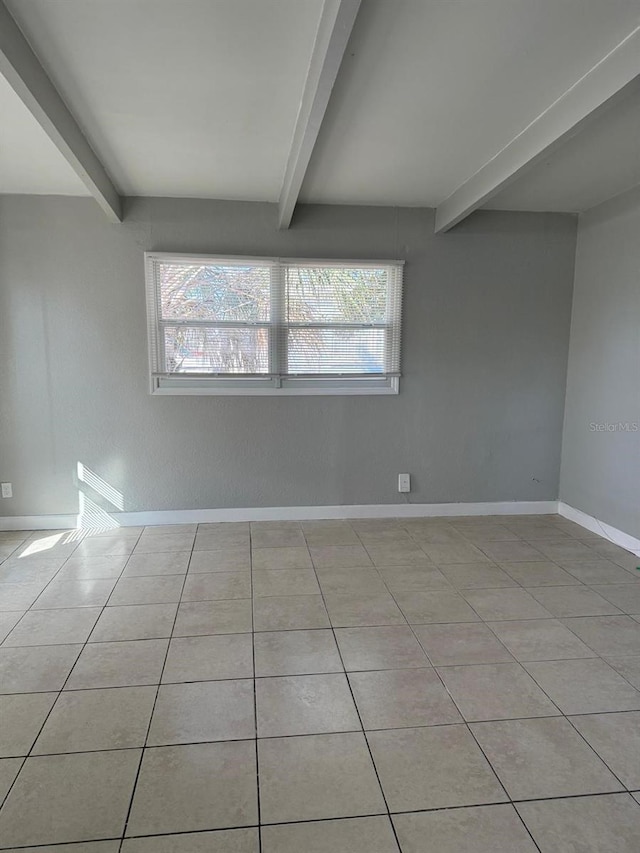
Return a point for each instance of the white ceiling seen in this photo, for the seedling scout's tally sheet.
(199, 98)
(600, 162)
(435, 88)
(180, 97)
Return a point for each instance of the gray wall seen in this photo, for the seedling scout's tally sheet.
(601, 469)
(478, 418)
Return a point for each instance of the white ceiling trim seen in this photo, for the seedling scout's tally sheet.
(561, 120)
(26, 76)
(334, 29)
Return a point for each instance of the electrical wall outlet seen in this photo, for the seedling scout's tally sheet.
(7, 490)
(404, 482)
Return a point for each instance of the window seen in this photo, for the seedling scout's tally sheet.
(271, 326)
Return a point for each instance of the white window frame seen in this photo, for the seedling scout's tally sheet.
(184, 384)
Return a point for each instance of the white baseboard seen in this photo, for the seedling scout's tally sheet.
(283, 513)
(308, 513)
(38, 522)
(618, 537)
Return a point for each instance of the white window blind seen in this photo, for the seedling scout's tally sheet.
(222, 325)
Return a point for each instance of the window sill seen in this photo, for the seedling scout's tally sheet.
(270, 387)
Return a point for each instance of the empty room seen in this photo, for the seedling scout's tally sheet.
(320, 426)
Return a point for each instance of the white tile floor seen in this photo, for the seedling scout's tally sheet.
(374, 686)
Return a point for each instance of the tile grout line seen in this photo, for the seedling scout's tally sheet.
(567, 718)
(446, 689)
(255, 697)
(49, 582)
(155, 702)
(467, 724)
(59, 692)
(560, 714)
(468, 727)
(355, 704)
(304, 595)
(594, 654)
(487, 622)
(314, 734)
(195, 832)
(307, 734)
(428, 665)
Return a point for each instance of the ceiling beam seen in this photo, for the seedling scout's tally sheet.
(566, 116)
(336, 23)
(25, 74)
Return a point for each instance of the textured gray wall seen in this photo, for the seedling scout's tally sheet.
(478, 418)
(601, 469)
